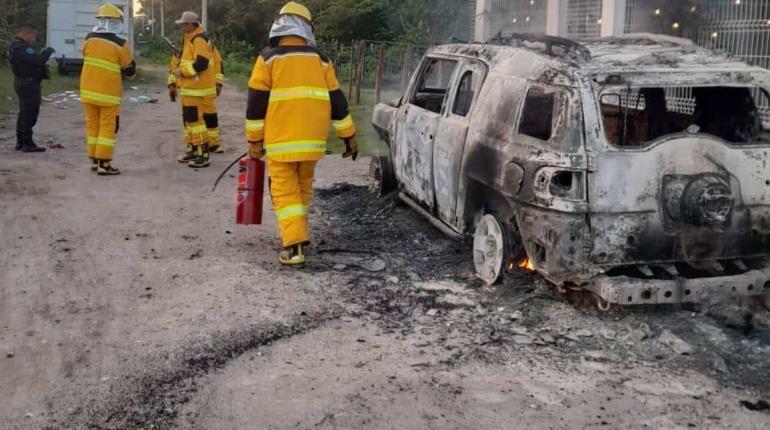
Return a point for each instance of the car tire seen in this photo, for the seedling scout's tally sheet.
(496, 248)
(382, 178)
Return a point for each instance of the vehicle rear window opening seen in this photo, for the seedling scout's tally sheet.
(634, 117)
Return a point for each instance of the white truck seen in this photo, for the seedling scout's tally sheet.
(70, 21)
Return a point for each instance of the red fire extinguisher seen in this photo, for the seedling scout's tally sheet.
(251, 184)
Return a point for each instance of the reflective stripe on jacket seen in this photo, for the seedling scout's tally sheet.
(106, 60)
(197, 66)
(294, 98)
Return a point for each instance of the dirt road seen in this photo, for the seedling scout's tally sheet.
(134, 302)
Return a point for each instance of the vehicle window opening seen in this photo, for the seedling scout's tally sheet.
(636, 116)
(537, 116)
(433, 84)
(465, 93)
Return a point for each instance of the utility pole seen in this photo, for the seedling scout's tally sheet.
(163, 18)
(152, 17)
(205, 14)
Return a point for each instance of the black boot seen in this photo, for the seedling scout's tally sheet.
(19, 143)
(188, 156)
(30, 146)
(201, 156)
(105, 168)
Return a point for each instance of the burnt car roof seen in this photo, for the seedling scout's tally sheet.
(562, 61)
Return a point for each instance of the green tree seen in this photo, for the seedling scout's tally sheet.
(14, 13)
(411, 21)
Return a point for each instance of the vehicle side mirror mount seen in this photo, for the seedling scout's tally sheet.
(395, 102)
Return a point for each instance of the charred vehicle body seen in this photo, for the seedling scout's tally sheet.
(635, 167)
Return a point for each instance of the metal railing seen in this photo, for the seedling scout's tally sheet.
(522, 16)
(584, 18)
(740, 28)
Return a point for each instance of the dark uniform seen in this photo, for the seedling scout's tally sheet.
(29, 68)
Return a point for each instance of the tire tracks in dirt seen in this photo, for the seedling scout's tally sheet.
(151, 394)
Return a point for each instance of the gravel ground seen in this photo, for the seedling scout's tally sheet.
(134, 302)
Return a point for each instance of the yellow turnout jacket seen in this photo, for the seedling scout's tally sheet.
(198, 76)
(294, 97)
(106, 60)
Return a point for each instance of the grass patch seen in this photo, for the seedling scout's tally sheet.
(9, 103)
(369, 142)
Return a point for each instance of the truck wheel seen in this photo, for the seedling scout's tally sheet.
(495, 245)
(382, 179)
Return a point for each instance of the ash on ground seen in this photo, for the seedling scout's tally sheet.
(407, 276)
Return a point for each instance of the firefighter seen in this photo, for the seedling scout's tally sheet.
(210, 116)
(197, 86)
(107, 60)
(173, 93)
(293, 99)
(29, 68)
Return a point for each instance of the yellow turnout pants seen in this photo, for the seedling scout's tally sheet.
(192, 114)
(102, 123)
(291, 188)
(211, 119)
(187, 137)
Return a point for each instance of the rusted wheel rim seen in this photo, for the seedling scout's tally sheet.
(488, 249)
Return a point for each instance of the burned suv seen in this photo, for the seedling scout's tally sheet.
(636, 167)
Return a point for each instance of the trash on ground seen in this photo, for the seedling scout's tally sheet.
(142, 99)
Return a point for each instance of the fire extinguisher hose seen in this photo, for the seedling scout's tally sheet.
(221, 175)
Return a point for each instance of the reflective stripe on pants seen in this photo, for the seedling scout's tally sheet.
(101, 130)
(192, 112)
(291, 188)
(210, 108)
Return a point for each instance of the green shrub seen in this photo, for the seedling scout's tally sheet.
(156, 51)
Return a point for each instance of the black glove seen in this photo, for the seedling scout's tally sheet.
(351, 148)
(172, 93)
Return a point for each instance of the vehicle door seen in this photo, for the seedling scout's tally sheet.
(450, 136)
(418, 120)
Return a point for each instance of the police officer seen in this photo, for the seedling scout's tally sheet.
(29, 68)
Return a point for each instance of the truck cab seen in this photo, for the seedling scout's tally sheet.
(70, 21)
